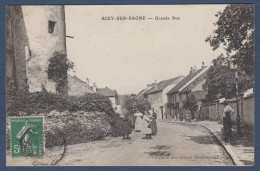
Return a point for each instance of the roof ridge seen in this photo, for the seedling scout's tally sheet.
(185, 81)
(195, 77)
(153, 90)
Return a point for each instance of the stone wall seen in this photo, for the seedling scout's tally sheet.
(246, 106)
(213, 112)
(58, 119)
(248, 111)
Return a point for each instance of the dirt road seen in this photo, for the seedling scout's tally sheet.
(175, 144)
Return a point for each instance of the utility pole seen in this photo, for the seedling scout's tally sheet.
(134, 107)
(237, 100)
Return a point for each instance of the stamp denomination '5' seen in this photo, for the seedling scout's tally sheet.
(27, 137)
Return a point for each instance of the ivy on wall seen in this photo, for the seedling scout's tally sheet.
(57, 70)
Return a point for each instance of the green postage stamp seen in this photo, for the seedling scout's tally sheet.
(27, 137)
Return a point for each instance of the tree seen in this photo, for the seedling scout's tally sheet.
(142, 104)
(220, 80)
(236, 32)
(191, 104)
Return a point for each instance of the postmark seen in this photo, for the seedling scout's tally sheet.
(27, 137)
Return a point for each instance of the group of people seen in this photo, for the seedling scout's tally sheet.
(144, 123)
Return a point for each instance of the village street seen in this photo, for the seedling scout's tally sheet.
(79, 77)
(176, 144)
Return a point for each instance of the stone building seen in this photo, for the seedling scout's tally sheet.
(190, 85)
(77, 87)
(33, 35)
(111, 95)
(157, 95)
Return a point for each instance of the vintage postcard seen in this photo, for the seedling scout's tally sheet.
(130, 85)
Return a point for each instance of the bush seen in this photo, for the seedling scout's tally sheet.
(59, 65)
(116, 125)
(191, 104)
(142, 104)
(73, 134)
(44, 102)
(91, 103)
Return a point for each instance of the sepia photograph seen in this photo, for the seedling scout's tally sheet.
(130, 85)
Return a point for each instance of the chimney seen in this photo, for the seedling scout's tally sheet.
(94, 87)
(191, 70)
(87, 81)
(155, 85)
(202, 66)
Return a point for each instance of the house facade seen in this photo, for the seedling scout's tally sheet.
(191, 85)
(34, 34)
(112, 96)
(157, 95)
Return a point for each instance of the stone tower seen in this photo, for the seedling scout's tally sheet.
(34, 34)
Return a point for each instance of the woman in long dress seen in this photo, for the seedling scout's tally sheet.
(138, 121)
(147, 126)
(126, 127)
(153, 123)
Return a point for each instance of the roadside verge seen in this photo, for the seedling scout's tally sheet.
(227, 147)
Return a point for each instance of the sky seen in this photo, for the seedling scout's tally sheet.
(126, 55)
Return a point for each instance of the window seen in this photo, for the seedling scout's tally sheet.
(51, 26)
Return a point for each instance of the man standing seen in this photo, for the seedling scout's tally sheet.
(227, 125)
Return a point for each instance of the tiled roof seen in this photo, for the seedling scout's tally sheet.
(184, 81)
(162, 85)
(106, 92)
(141, 92)
(80, 81)
(195, 82)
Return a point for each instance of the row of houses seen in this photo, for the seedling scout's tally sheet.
(168, 96)
(33, 35)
